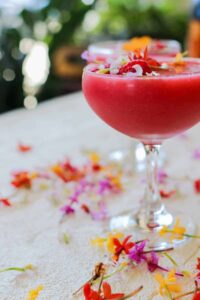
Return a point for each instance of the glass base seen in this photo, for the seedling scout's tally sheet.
(134, 156)
(140, 230)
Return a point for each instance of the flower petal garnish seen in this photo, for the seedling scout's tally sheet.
(137, 43)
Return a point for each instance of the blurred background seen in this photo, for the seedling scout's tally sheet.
(41, 40)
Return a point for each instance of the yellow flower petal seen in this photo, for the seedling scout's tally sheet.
(124, 264)
(110, 243)
(179, 58)
(168, 284)
(56, 168)
(94, 157)
(99, 242)
(178, 230)
(160, 279)
(138, 43)
(163, 230)
(116, 180)
(28, 267)
(174, 288)
(34, 175)
(33, 294)
(171, 276)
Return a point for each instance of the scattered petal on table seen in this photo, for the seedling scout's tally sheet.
(196, 154)
(197, 185)
(33, 294)
(5, 201)
(167, 194)
(24, 148)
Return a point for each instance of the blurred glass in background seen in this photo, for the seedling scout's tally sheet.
(194, 30)
(41, 40)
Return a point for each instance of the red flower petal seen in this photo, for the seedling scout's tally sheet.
(116, 242)
(90, 294)
(96, 167)
(67, 172)
(129, 67)
(5, 201)
(196, 296)
(153, 63)
(86, 290)
(107, 292)
(126, 239)
(85, 208)
(197, 185)
(198, 264)
(22, 180)
(106, 289)
(24, 148)
(165, 194)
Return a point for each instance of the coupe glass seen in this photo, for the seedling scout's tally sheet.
(101, 50)
(150, 109)
(157, 48)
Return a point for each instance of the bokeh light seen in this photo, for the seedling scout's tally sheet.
(30, 102)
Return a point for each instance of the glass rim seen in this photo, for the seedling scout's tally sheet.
(98, 49)
(159, 77)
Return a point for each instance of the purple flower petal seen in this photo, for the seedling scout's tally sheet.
(152, 262)
(73, 198)
(104, 185)
(162, 176)
(67, 209)
(101, 214)
(136, 253)
(196, 154)
(86, 55)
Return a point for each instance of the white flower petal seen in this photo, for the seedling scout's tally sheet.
(139, 70)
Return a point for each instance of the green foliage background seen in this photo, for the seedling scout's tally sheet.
(117, 19)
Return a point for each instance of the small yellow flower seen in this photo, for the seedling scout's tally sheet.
(33, 294)
(176, 233)
(94, 157)
(33, 175)
(179, 230)
(44, 186)
(104, 71)
(28, 267)
(124, 264)
(160, 279)
(171, 276)
(179, 58)
(56, 168)
(107, 241)
(116, 181)
(168, 284)
(99, 242)
(110, 243)
(163, 230)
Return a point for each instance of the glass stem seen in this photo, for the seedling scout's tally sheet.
(152, 202)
